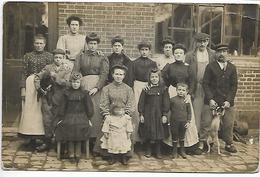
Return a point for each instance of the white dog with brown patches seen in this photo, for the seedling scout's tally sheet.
(214, 127)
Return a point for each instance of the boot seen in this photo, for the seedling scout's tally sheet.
(45, 146)
(124, 159)
(158, 150)
(174, 150)
(182, 150)
(148, 150)
(112, 159)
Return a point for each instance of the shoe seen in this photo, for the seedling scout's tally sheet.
(196, 151)
(111, 161)
(182, 153)
(158, 151)
(231, 148)
(42, 148)
(124, 160)
(148, 152)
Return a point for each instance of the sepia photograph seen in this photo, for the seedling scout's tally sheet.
(121, 86)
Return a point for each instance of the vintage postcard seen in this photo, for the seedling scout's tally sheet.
(130, 86)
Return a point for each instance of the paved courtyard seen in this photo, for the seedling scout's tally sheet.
(246, 160)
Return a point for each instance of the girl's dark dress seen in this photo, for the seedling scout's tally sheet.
(77, 108)
(153, 104)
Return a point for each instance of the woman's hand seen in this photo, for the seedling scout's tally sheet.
(187, 125)
(106, 135)
(187, 98)
(93, 91)
(141, 118)
(128, 135)
(164, 119)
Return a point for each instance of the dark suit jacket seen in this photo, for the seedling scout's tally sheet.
(191, 59)
(220, 85)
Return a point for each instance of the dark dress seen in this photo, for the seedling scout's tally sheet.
(123, 60)
(153, 104)
(178, 72)
(77, 108)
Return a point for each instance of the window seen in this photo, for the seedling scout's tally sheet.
(236, 25)
(21, 22)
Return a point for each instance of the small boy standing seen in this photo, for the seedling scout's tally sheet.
(180, 118)
(55, 75)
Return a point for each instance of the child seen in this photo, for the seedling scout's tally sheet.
(117, 130)
(142, 66)
(53, 75)
(153, 108)
(180, 118)
(76, 109)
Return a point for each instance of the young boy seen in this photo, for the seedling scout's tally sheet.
(180, 118)
(55, 75)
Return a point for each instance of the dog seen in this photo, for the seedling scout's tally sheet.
(46, 85)
(217, 113)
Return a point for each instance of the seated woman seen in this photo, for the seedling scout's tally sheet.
(119, 92)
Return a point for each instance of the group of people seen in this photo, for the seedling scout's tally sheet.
(77, 93)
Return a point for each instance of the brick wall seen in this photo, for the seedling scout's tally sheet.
(133, 21)
(247, 102)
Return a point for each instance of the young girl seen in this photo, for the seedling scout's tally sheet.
(153, 108)
(142, 66)
(76, 110)
(117, 130)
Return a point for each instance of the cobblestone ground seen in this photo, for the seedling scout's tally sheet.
(246, 160)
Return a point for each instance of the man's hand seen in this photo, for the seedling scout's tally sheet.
(93, 91)
(164, 119)
(226, 104)
(141, 118)
(213, 104)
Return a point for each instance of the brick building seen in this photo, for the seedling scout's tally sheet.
(236, 24)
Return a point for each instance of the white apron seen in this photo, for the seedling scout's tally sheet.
(31, 122)
(138, 87)
(87, 83)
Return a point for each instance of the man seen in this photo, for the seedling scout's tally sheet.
(220, 86)
(198, 60)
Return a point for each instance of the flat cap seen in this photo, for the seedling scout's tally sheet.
(201, 36)
(220, 47)
(58, 51)
(92, 37)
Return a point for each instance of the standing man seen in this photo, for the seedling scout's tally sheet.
(220, 86)
(198, 60)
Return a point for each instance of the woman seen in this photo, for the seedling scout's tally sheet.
(73, 42)
(33, 63)
(180, 72)
(119, 57)
(119, 92)
(167, 56)
(94, 69)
